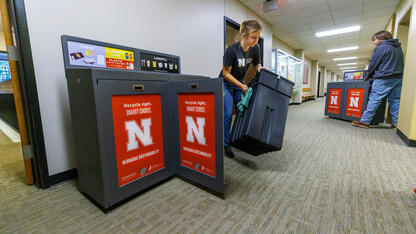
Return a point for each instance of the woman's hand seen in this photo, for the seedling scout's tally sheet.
(258, 69)
(244, 88)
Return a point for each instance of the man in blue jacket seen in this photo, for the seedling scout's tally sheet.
(386, 68)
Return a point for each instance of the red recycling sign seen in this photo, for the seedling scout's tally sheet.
(138, 135)
(354, 102)
(334, 102)
(197, 131)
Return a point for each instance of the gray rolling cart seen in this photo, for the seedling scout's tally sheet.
(260, 128)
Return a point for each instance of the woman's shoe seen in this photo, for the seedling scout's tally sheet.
(228, 152)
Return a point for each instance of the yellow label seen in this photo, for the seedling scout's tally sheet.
(119, 54)
(154, 63)
(358, 74)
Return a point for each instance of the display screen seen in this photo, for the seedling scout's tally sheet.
(355, 75)
(4, 67)
(83, 54)
(158, 63)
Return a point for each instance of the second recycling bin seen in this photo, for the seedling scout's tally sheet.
(348, 100)
(260, 128)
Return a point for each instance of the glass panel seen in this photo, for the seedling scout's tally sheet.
(273, 66)
(295, 72)
(282, 60)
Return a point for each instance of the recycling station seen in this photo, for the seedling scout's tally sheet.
(347, 100)
(137, 121)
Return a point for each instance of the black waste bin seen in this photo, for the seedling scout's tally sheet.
(260, 128)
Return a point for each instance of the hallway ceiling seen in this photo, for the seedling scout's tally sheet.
(295, 22)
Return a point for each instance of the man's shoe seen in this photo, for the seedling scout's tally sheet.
(359, 124)
(393, 126)
(228, 152)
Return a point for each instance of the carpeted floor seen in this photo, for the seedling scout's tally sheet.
(329, 177)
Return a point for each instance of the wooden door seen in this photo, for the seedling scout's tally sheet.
(16, 91)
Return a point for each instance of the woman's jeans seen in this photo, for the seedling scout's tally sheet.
(380, 89)
(232, 95)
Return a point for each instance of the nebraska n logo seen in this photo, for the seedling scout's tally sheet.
(334, 100)
(354, 101)
(197, 131)
(134, 132)
(242, 62)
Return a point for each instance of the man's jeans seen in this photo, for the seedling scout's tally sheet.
(232, 95)
(380, 89)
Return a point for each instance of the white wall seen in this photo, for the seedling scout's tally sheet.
(237, 11)
(278, 44)
(327, 78)
(192, 29)
(2, 41)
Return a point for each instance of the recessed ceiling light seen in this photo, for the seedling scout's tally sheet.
(343, 68)
(338, 31)
(348, 70)
(343, 49)
(343, 64)
(346, 58)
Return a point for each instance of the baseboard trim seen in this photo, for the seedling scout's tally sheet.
(405, 139)
(63, 176)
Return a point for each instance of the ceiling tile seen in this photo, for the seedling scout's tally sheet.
(289, 24)
(348, 19)
(306, 3)
(341, 4)
(315, 10)
(286, 17)
(322, 24)
(347, 11)
(376, 19)
(318, 18)
(302, 33)
(295, 22)
(252, 5)
(380, 4)
(298, 28)
(378, 13)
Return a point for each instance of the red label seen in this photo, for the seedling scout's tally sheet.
(354, 102)
(197, 131)
(334, 101)
(119, 63)
(138, 135)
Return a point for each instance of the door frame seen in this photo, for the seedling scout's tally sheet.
(35, 150)
(319, 84)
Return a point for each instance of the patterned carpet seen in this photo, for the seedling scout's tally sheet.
(329, 177)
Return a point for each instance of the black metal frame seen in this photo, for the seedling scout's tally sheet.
(213, 86)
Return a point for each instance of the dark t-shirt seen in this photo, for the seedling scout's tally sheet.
(240, 60)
